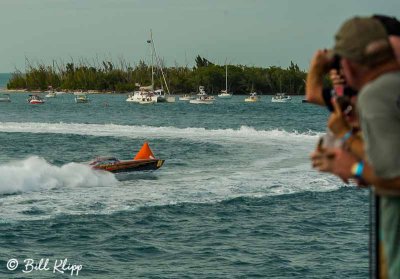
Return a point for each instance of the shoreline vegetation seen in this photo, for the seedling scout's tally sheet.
(121, 77)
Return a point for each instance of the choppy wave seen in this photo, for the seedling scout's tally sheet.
(35, 173)
(243, 134)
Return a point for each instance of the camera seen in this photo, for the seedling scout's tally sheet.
(335, 62)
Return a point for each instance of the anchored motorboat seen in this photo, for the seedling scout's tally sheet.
(252, 98)
(35, 100)
(281, 98)
(143, 161)
(81, 98)
(202, 97)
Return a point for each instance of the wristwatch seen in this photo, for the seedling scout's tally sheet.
(357, 169)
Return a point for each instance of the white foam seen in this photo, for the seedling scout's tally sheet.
(275, 163)
(35, 173)
(243, 134)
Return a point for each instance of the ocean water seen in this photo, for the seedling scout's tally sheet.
(236, 197)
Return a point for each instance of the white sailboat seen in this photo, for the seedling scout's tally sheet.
(159, 95)
(224, 93)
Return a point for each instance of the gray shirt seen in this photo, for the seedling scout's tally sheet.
(378, 105)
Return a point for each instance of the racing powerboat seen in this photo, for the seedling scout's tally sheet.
(143, 161)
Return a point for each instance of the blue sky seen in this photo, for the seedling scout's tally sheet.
(251, 32)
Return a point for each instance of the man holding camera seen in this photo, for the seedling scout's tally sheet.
(369, 66)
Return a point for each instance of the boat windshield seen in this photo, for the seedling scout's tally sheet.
(104, 161)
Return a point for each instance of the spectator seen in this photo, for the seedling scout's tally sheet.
(370, 67)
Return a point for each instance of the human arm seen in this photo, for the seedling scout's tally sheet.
(342, 163)
(314, 82)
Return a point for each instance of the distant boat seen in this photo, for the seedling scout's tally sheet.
(158, 95)
(224, 93)
(51, 94)
(5, 98)
(304, 101)
(185, 97)
(252, 98)
(81, 98)
(280, 98)
(202, 98)
(35, 100)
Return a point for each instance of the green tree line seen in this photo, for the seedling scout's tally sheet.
(121, 77)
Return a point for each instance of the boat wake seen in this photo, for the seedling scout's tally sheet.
(243, 134)
(35, 173)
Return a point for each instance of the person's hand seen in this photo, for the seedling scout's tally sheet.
(320, 62)
(341, 163)
(337, 122)
(321, 159)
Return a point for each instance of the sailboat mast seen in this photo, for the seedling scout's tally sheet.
(159, 64)
(152, 59)
(226, 78)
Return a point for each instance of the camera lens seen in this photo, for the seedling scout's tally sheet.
(336, 62)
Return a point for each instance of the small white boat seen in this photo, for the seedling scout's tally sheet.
(35, 100)
(81, 98)
(224, 95)
(252, 98)
(51, 94)
(5, 98)
(185, 97)
(280, 98)
(202, 98)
